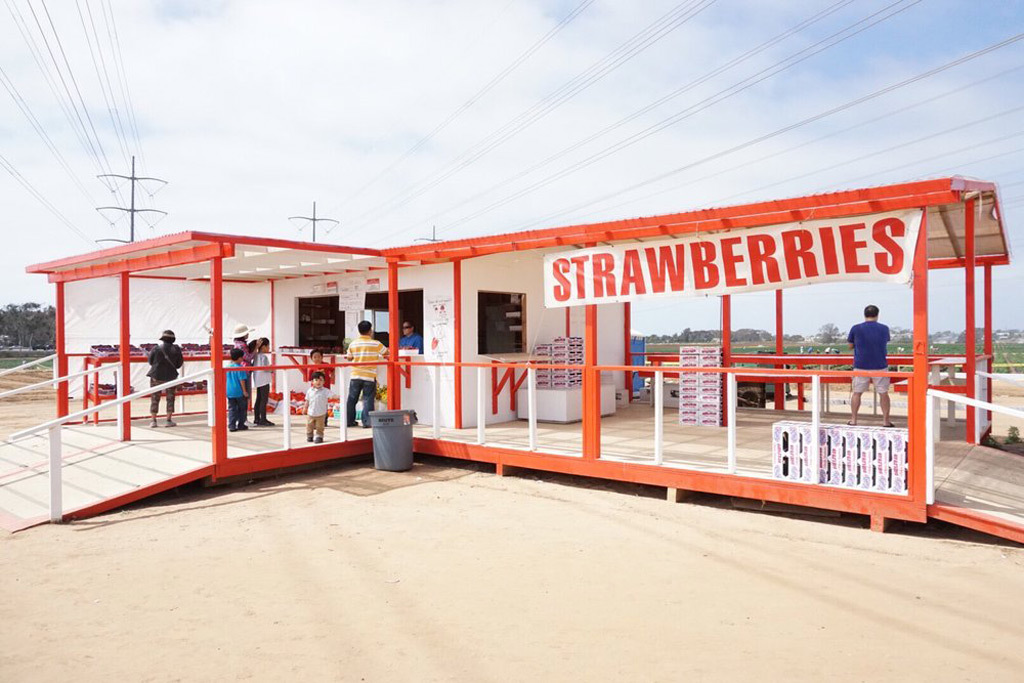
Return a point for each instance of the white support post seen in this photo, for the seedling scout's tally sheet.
(56, 476)
(119, 392)
(929, 448)
(659, 417)
(531, 405)
(815, 429)
(287, 398)
(934, 379)
(951, 405)
(731, 429)
(481, 404)
(435, 409)
(209, 400)
(339, 381)
(978, 393)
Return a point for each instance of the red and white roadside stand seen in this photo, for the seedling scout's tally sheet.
(522, 330)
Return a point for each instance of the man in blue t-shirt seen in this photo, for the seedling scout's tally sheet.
(410, 338)
(868, 341)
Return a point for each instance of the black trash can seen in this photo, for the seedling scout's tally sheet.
(392, 439)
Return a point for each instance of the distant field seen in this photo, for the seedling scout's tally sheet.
(1009, 357)
(15, 362)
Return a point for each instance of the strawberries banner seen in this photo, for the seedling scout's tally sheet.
(875, 248)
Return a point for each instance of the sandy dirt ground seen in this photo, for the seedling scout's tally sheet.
(448, 572)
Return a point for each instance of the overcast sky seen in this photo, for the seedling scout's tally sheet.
(486, 116)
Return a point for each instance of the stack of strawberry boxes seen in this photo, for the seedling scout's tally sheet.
(861, 457)
(700, 393)
(561, 351)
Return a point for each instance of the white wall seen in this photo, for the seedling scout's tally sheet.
(522, 272)
(435, 281)
(93, 313)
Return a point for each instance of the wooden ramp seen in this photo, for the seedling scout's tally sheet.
(979, 488)
(102, 473)
(99, 471)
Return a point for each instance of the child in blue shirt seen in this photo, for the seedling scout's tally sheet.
(238, 397)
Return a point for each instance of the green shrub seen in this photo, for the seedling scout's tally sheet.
(1013, 435)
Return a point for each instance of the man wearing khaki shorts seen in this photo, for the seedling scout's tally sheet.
(869, 341)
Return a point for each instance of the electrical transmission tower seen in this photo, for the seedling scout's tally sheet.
(432, 238)
(314, 220)
(131, 211)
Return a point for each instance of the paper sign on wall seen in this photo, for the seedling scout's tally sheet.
(438, 327)
(875, 248)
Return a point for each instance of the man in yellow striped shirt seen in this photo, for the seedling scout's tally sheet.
(363, 349)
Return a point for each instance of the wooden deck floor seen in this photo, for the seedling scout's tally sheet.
(97, 466)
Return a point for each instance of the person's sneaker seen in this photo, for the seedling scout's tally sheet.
(242, 428)
(267, 423)
(309, 439)
(353, 424)
(170, 423)
(232, 429)
(318, 439)
(366, 426)
(153, 423)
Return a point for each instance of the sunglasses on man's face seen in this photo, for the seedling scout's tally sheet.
(406, 327)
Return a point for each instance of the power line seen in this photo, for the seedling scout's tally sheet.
(476, 97)
(9, 167)
(775, 155)
(121, 72)
(780, 131)
(749, 54)
(103, 78)
(37, 57)
(41, 131)
(654, 32)
(692, 110)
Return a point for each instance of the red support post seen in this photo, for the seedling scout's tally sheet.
(394, 326)
(62, 353)
(780, 389)
(219, 431)
(627, 355)
(987, 270)
(591, 389)
(726, 349)
(457, 337)
(970, 342)
(125, 357)
(917, 395)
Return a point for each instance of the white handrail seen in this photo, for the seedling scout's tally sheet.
(984, 405)
(37, 361)
(1001, 378)
(49, 382)
(108, 404)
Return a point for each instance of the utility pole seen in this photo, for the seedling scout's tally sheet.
(132, 210)
(314, 220)
(432, 238)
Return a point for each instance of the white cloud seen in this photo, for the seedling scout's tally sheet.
(253, 109)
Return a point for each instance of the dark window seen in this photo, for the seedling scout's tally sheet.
(410, 307)
(500, 319)
(321, 324)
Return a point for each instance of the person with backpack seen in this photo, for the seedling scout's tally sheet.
(165, 360)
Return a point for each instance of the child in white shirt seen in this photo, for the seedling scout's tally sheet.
(261, 383)
(316, 407)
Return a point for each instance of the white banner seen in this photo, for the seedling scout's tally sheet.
(875, 248)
